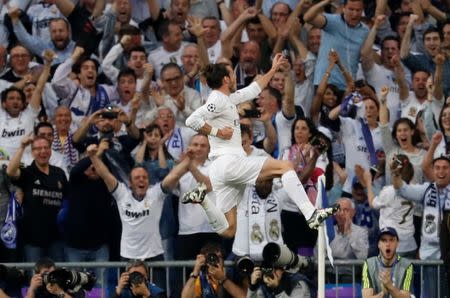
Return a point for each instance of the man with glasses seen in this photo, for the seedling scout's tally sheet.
(180, 136)
(44, 187)
(181, 99)
(45, 130)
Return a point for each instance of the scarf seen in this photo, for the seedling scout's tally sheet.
(310, 188)
(205, 287)
(365, 130)
(67, 149)
(432, 216)
(264, 222)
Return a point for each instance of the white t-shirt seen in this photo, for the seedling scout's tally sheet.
(397, 212)
(283, 128)
(220, 111)
(140, 222)
(379, 76)
(356, 151)
(192, 217)
(14, 129)
(215, 52)
(160, 56)
(412, 106)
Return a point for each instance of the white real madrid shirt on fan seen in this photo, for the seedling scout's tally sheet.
(141, 238)
(192, 217)
(398, 213)
(13, 129)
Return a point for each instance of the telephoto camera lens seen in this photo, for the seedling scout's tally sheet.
(281, 256)
(245, 264)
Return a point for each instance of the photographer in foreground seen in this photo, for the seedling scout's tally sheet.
(208, 279)
(47, 282)
(276, 282)
(134, 282)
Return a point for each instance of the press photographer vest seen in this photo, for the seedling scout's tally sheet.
(398, 273)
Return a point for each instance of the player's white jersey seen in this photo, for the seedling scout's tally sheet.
(220, 111)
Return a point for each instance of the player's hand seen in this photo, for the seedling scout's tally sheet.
(225, 133)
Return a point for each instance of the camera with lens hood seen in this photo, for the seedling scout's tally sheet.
(70, 280)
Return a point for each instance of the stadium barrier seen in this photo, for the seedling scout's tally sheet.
(336, 289)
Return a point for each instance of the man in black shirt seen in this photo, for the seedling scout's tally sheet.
(89, 215)
(44, 188)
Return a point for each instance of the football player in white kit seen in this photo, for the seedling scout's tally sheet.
(231, 169)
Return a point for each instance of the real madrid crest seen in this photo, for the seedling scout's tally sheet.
(256, 235)
(274, 230)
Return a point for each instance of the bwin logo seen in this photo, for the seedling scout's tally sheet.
(137, 214)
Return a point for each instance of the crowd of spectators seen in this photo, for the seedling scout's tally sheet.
(95, 152)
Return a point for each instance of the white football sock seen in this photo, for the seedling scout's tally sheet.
(296, 192)
(216, 218)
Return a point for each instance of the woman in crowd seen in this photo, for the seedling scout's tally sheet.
(402, 140)
(310, 153)
(153, 154)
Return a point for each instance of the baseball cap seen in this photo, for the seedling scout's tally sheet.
(387, 230)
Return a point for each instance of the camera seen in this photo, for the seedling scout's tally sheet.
(109, 115)
(252, 113)
(70, 280)
(12, 277)
(319, 144)
(276, 255)
(212, 259)
(267, 271)
(135, 278)
(245, 264)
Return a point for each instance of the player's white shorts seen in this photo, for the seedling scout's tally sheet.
(229, 174)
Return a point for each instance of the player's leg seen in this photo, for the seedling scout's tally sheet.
(279, 168)
(222, 215)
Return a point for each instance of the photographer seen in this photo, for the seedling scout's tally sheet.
(40, 289)
(208, 279)
(134, 282)
(271, 282)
